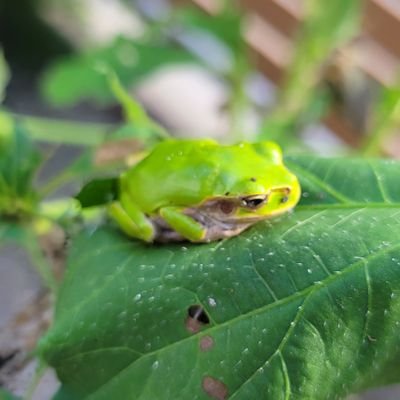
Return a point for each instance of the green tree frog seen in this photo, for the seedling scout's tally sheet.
(199, 190)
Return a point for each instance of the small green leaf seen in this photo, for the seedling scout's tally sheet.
(135, 114)
(19, 160)
(4, 75)
(98, 192)
(4, 395)
(225, 26)
(11, 232)
(385, 119)
(6, 130)
(306, 306)
(78, 77)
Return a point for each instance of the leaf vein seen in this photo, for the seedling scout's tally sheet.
(282, 344)
(302, 223)
(382, 190)
(263, 280)
(288, 389)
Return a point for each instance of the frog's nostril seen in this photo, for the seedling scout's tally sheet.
(285, 191)
(284, 199)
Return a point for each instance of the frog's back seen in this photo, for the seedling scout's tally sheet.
(175, 172)
(185, 172)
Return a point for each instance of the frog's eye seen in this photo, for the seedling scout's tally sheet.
(254, 202)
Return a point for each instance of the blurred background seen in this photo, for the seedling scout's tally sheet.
(314, 76)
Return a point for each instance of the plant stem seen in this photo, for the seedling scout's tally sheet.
(63, 131)
(387, 119)
(39, 372)
(239, 101)
(42, 266)
(59, 180)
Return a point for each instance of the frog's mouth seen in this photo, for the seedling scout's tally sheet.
(242, 210)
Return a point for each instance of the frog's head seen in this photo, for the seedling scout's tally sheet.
(275, 201)
(257, 197)
(266, 187)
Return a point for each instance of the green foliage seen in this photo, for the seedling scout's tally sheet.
(327, 27)
(19, 160)
(65, 131)
(225, 26)
(304, 307)
(98, 192)
(7, 396)
(386, 119)
(135, 115)
(4, 75)
(81, 76)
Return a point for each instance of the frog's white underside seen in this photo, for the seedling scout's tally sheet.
(214, 229)
(217, 224)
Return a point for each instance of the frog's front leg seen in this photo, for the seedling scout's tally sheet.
(131, 219)
(183, 224)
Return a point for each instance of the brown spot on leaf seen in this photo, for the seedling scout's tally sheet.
(192, 325)
(215, 388)
(206, 343)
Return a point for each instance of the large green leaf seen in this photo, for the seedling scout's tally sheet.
(304, 307)
(81, 76)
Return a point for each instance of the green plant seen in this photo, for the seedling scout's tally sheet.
(302, 307)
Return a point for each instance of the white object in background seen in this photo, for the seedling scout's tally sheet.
(323, 141)
(191, 103)
(93, 22)
(187, 99)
